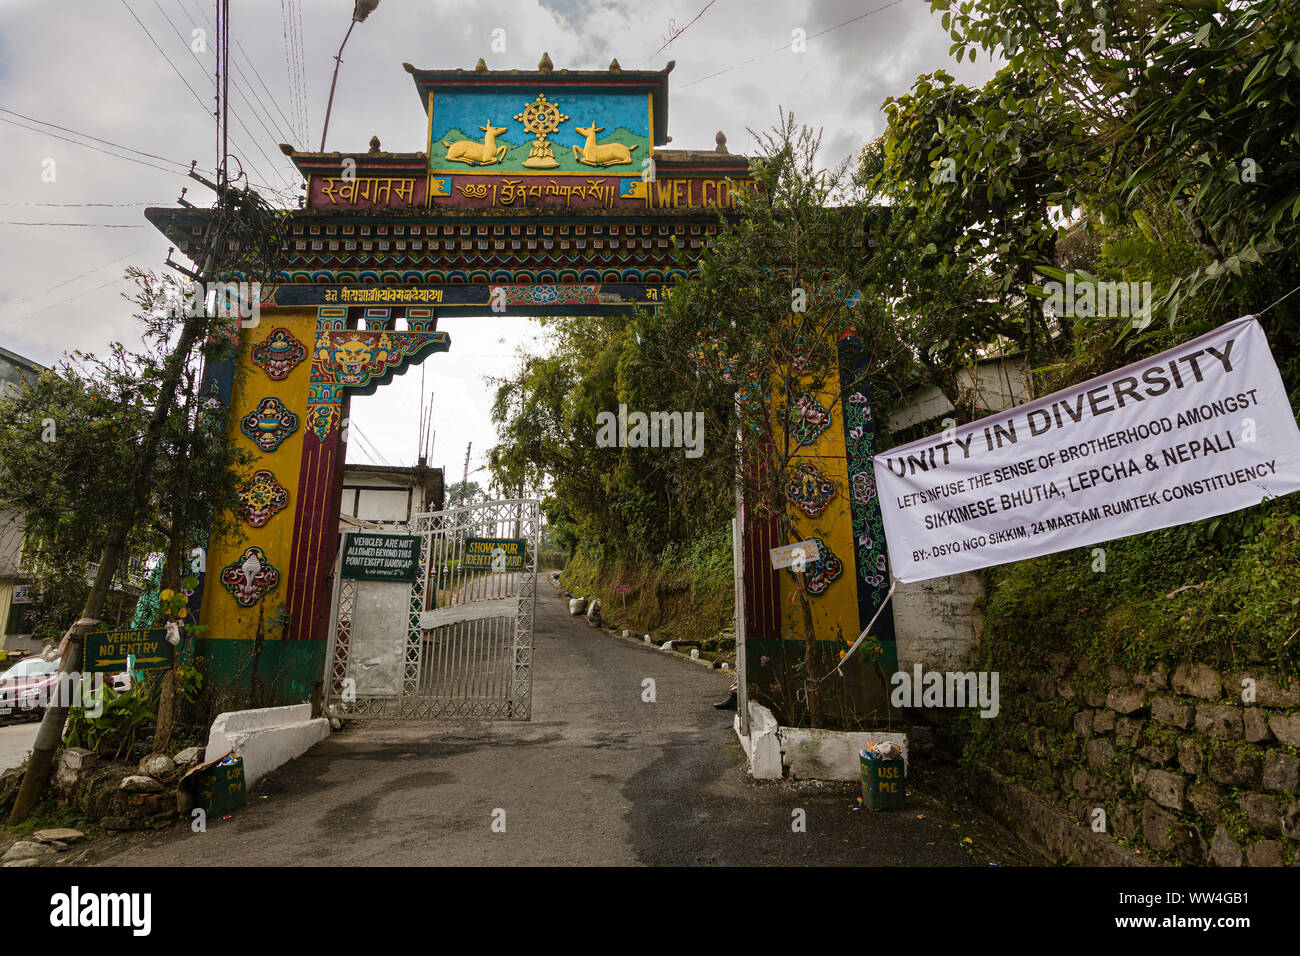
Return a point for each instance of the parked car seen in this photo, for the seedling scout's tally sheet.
(29, 685)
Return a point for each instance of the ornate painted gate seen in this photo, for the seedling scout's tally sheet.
(466, 650)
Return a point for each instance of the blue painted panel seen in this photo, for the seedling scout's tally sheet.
(625, 118)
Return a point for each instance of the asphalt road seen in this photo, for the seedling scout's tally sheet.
(599, 776)
(16, 739)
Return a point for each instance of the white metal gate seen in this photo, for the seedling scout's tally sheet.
(467, 647)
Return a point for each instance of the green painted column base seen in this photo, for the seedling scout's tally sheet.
(287, 672)
(857, 700)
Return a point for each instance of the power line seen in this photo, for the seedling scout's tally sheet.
(247, 102)
(185, 167)
(786, 46)
(79, 204)
(135, 252)
(674, 36)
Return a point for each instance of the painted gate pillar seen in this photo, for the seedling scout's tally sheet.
(266, 589)
(831, 497)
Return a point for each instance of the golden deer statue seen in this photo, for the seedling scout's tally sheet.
(601, 154)
(486, 153)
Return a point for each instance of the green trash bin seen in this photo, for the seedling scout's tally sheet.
(221, 787)
(883, 783)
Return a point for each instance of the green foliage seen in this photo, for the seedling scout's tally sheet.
(126, 719)
(1222, 591)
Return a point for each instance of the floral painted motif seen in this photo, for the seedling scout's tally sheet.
(809, 420)
(810, 490)
(868, 528)
(823, 572)
(269, 424)
(261, 498)
(278, 354)
(249, 576)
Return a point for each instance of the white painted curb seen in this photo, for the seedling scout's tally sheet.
(775, 752)
(266, 737)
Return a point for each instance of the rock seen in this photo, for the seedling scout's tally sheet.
(1224, 850)
(1083, 723)
(1268, 691)
(1286, 729)
(28, 850)
(1103, 722)
(194, 754)
(1100, 753)
(578, 606)
(1167, 789)
(120, 823)
(627, 633)
(58, 834)
(1125, 822)
(1166, 833)
(593, 613)
(139, 783)
(1291, 822)
(1116, 674)
(1128, 700)
(1205, 799)
(1128, 729)
(1255, 724)
(1190, 757)
(1261, 812)
(1281, 771)
(1197, 680)
(26, 861)
(1157, 679)
(666, 646)
(336, 724)
(77, 758)
(1170, 710)
(1094, 696)
(1236, 766)
(1267, 853)
(1065, 687)
(1157, 751)
(157, 765)
(1219, 720)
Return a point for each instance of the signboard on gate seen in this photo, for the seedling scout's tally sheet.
(380, 557)
(494, 554)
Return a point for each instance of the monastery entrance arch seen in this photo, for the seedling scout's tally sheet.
(541, 192)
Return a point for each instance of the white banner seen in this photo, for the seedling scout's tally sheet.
(1200, 430)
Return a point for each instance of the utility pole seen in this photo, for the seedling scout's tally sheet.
(464, 480)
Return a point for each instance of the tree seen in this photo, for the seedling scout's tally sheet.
(755, 337)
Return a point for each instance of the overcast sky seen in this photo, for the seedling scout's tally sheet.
(89, 66)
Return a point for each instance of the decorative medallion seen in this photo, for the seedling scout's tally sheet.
(262, 497)
(278, 354)
(541, 118)
(820, 574)
(269, 424)
(809, 419)
(810, 490)
(249, 576)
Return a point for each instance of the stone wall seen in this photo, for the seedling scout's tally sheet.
(1181, 764)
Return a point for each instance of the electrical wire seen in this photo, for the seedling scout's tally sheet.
(673, 38)
(786, 46)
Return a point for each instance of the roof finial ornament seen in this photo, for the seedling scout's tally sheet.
(374, 144)
(614, 67)
(721, 142)
(480, 66)
(545, 65)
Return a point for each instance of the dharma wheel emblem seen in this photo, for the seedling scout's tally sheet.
(541, 118)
